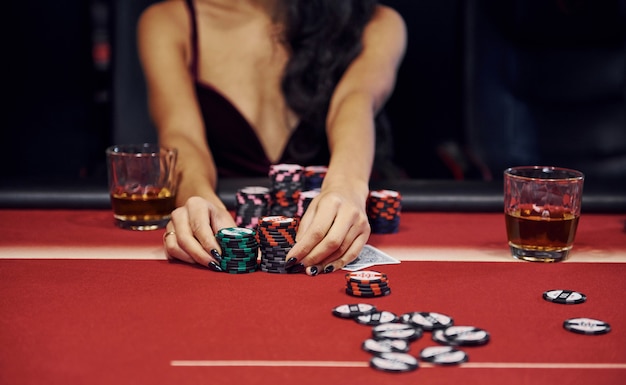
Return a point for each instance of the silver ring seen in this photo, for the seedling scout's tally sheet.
(168, 234)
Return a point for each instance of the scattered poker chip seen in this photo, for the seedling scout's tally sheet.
(427, 320)
(438, 337)
(393, 330)
(466, 335)
(353, 310)
(566, 297)
(443, 355)
(375, 346)
(377, 318)
(588, 326)
(394, 362)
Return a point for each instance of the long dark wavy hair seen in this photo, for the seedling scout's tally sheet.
(324, 37)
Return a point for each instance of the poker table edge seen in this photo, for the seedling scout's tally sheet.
(417, 195)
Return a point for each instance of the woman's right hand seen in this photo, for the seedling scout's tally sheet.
(190, 234)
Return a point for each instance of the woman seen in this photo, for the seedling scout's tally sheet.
(236, 85)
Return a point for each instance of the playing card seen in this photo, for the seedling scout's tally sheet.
(370, 256)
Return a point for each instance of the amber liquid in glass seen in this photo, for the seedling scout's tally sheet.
(143, 207)
(541, 230)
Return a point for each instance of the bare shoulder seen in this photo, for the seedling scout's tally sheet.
(389, 14)
(168, 17)
(388, 19)
(386, 33)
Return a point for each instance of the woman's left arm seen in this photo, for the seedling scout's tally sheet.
(335, 227)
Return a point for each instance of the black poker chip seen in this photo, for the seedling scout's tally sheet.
(377, 318)
(427, 320)
(367, 293)
(443, 355)
(395, 330)
(394, 362)
(587, 326)
(566, 297)
(353, 310)
(387, 345)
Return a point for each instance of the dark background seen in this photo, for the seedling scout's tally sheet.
(485, 84)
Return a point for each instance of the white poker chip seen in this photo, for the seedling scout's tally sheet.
(385, 346)
(566, 297)
(396, 331)
(466, 335)
(438, 337)
(353, 310)
(376, 318)
(394, 362)
(588, 326)
(427, 320)
(443, 355)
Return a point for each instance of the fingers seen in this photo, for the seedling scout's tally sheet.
(338, 261)
(345, 254)
(329, 237)
(190, 235)
(172, 250)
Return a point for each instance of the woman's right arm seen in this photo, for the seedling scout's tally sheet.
(163, 42)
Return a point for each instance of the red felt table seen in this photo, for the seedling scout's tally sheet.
(84, 302)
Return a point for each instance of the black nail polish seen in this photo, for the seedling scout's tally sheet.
(290, 262)
(216, 255)
(329, 269)
(314, 271)
(299, 268)
(214, 267)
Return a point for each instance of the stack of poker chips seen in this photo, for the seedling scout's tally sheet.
(276, 235)
(240, 250)
(383, 211)
(251, 203)
(367, 284)
(304, 200)
(287, 181)
(314, 176)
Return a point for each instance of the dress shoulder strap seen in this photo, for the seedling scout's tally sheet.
(194, 38)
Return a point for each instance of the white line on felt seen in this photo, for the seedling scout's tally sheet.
(360, 364)
(403, 253)
(243, 363)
